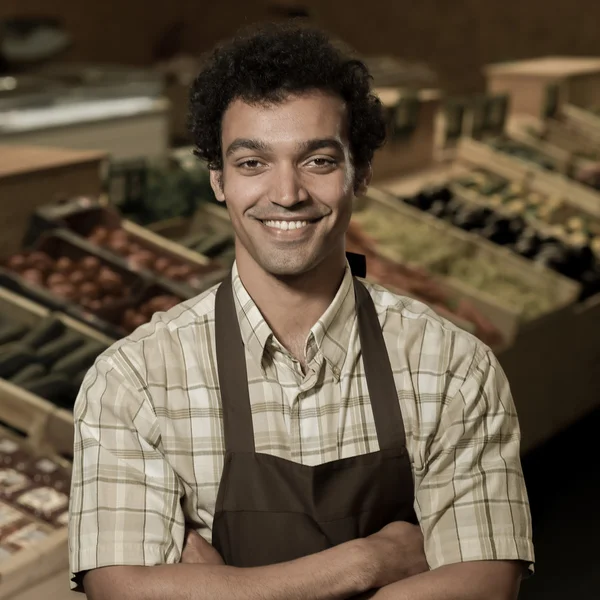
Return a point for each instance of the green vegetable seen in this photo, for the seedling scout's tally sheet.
(82, 358)
(9, 332)
(44, 331)
(59, 348)
(13, 358)
(29, 374)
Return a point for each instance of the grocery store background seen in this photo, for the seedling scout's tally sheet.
(485, 204)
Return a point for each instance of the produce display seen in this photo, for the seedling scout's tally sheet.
(140, 256)
(34, 497)
(85, 281)
(61, 273)
(527, 153)
(48, 359)
(212, 242)
(147, 193)
(417, 283)
(411, 242)
(546, 230)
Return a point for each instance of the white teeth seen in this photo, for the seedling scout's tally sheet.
(285, 225)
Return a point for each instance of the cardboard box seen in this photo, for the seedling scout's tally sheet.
(30, 177)
(576, 81)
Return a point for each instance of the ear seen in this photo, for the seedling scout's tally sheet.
(363, 180)
(216, 182)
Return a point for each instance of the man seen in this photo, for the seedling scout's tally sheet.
(302, 422)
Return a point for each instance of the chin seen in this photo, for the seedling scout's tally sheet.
(290, 265)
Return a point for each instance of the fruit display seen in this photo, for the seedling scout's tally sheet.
(139, 250)
(47, 359)
(85, 280)
(140, 255)
(62, 273)
(409, 241)
(546, 230)
(418, 284)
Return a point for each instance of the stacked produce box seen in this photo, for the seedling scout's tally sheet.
(487, 286)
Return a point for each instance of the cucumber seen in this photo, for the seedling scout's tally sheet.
(53, 387)
(59, 348)
(28, 374)
(83, 358)
(46, 330)
(78, 379)
(13, 358)
(10, 332)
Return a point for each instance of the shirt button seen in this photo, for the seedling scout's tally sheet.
(336, 372)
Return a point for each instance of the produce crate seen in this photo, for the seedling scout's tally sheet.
(21, 311)
(560, 291)
(83, 216)
(26, 425)
(59, 243)
(539, 180)
(209, 231)
(582, 119)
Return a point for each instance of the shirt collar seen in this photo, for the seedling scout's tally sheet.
(329, 336)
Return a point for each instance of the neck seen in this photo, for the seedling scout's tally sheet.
(292, 305)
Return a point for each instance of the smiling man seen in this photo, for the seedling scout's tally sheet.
(295, 433)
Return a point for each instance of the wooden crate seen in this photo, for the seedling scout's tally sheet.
(539, 180)
(30, 177)
(47, 423)
(508, 320)
(416, 150)
(577, 80)
(588, 123)
(32, 417)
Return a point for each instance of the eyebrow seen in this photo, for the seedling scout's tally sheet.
(303, 147)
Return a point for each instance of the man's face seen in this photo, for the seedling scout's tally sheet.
(288, 181)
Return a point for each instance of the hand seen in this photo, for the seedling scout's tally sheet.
(397, 552)
(196, 551)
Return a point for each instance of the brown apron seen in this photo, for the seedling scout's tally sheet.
(271, 510)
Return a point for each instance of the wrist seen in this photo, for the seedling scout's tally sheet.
(363, 564)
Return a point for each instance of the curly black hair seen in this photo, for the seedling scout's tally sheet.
(269, 62)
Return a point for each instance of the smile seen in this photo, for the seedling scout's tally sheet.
(286, 225)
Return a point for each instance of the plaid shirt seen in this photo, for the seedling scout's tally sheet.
(149, 446)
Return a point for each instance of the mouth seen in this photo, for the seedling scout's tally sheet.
(289, 225)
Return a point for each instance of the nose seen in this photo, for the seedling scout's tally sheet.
(288, 188)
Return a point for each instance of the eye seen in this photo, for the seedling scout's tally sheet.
(322, 162)
(250, 164)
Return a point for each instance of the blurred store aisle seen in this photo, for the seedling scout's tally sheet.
(563, 479)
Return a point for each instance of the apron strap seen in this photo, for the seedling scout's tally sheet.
(378, 372)
(233, 380)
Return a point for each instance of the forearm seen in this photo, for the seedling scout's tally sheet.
(334, 574)
(483, 580)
